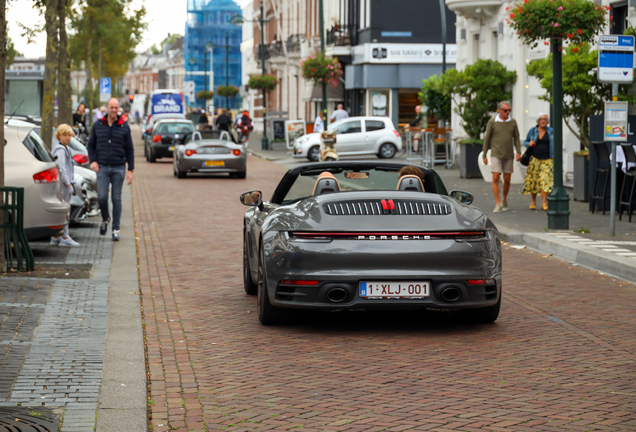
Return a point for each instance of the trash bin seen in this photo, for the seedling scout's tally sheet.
(18, 253)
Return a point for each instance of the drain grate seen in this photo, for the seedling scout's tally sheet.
(28, 420)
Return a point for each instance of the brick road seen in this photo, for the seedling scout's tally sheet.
(560, 357)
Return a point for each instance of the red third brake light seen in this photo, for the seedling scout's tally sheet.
(48, 176)
(80, 158)
(190, 152)
(156, 138)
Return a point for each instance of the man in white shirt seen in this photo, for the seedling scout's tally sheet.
(339, 114)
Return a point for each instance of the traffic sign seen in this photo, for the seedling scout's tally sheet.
(104, 89)
(616, 59)
(188, 91)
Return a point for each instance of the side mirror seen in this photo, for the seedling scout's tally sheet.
(465, 198)
(252, 198)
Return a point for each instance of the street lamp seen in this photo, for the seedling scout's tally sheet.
(239, 20)
(208, 46)
(227, 68)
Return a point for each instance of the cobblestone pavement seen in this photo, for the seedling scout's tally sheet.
(560, 357)
(52, 331)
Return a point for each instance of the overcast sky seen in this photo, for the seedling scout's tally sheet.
(162, 16)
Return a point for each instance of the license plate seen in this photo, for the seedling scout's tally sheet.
(213, 163)
(395, 289)
(171, 148)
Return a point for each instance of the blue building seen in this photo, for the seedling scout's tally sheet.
(208, 23)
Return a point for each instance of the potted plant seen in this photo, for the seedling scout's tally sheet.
(262, 82)
(581, 175)
(476, 91)
(318, 69)
(227, 91)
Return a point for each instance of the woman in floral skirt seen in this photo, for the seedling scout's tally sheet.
(539, 177)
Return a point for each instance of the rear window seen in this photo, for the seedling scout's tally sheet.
(174, 128)
(36, 146)
(374, 125)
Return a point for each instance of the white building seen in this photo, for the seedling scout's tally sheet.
(482, 32)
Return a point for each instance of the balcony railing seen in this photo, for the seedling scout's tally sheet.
(293, 43)
(268, 52)
(277, 49)
(341, 35)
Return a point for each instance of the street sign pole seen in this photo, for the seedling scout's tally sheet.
(615, 66)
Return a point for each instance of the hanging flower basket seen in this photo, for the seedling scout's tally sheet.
(205, 94)
(318, 69)
(227, 91)
(262, 82)
(576, 21)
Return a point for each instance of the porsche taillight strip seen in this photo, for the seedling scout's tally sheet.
(386, 207)
(463, 235)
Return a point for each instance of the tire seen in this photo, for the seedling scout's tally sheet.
(151, 156)
(241, 175)
(387, 151)
(267, 314)
(251, 288)
(487, 315)
(314, 154)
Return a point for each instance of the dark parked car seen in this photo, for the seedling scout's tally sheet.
(166, 134)
(351, 235)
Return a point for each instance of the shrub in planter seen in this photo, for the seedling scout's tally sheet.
(318, 69)
(436, 103)
(227, 91)
(205, 94)
(262, 82)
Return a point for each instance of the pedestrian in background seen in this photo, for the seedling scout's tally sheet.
(100, 113)
(418, 122)
(339, 114)
(539, 177)
(502, 134)
(223, 121)
(110, 148)
(203, 120)
(59, 149)
(79, 117)
(319, 125)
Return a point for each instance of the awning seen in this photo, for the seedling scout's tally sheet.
(314, 93)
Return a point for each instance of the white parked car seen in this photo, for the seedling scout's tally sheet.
(355, 136)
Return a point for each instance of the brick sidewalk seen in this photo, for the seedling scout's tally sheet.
(561, 356)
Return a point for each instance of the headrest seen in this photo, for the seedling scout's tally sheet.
(326, 183)
(410, 183)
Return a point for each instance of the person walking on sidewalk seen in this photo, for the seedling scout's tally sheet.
(65, 162)
(501, 134)
(110, 148)
(539, 177)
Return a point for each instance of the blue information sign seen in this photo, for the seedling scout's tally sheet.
(616, 59)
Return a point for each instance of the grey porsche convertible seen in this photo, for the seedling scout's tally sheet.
(354, 235)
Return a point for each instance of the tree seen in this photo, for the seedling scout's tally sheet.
(11, 52)
(583, 94)
(476, 91)
(65, 109)
(436, 103)
(50, 71)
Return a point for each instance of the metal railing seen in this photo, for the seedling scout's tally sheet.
(257, 53)
(341, 35)
(18, 253)
(277, 49)
(293, 43)
(428, 149)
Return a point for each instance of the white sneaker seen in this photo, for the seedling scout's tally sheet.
(68, 242)
(55, 241)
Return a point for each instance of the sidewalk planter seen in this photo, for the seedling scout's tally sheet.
(469, 159)
(581, 176)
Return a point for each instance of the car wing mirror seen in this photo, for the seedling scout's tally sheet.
(252, 198)
(463, 197)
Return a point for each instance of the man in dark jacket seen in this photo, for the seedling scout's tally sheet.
(110, 147)
(223, 121)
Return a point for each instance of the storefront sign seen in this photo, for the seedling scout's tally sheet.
(616, 121)
(616, 59)
(388, 53)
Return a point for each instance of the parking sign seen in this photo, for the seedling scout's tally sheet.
(104, 89)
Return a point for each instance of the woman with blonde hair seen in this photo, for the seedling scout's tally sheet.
(64, 161)
(540, 174)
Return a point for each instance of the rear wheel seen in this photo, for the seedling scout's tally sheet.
(179, 173)
(314, 154)
(267, 314)
(387, 151)
(487, 315)
(241, 175)
(151, 156)
(329, 159)
(251, 288)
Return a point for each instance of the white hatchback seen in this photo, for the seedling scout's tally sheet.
(355, 136)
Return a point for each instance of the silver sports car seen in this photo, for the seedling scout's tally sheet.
(354, 235)
(210, 152)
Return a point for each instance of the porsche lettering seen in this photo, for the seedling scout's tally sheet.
(393, 237)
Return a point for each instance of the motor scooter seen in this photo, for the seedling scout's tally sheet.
(328, 150)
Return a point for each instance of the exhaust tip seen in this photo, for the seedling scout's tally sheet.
(337, 295)
(451, 294)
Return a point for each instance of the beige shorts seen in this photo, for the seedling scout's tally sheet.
(505, 166)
